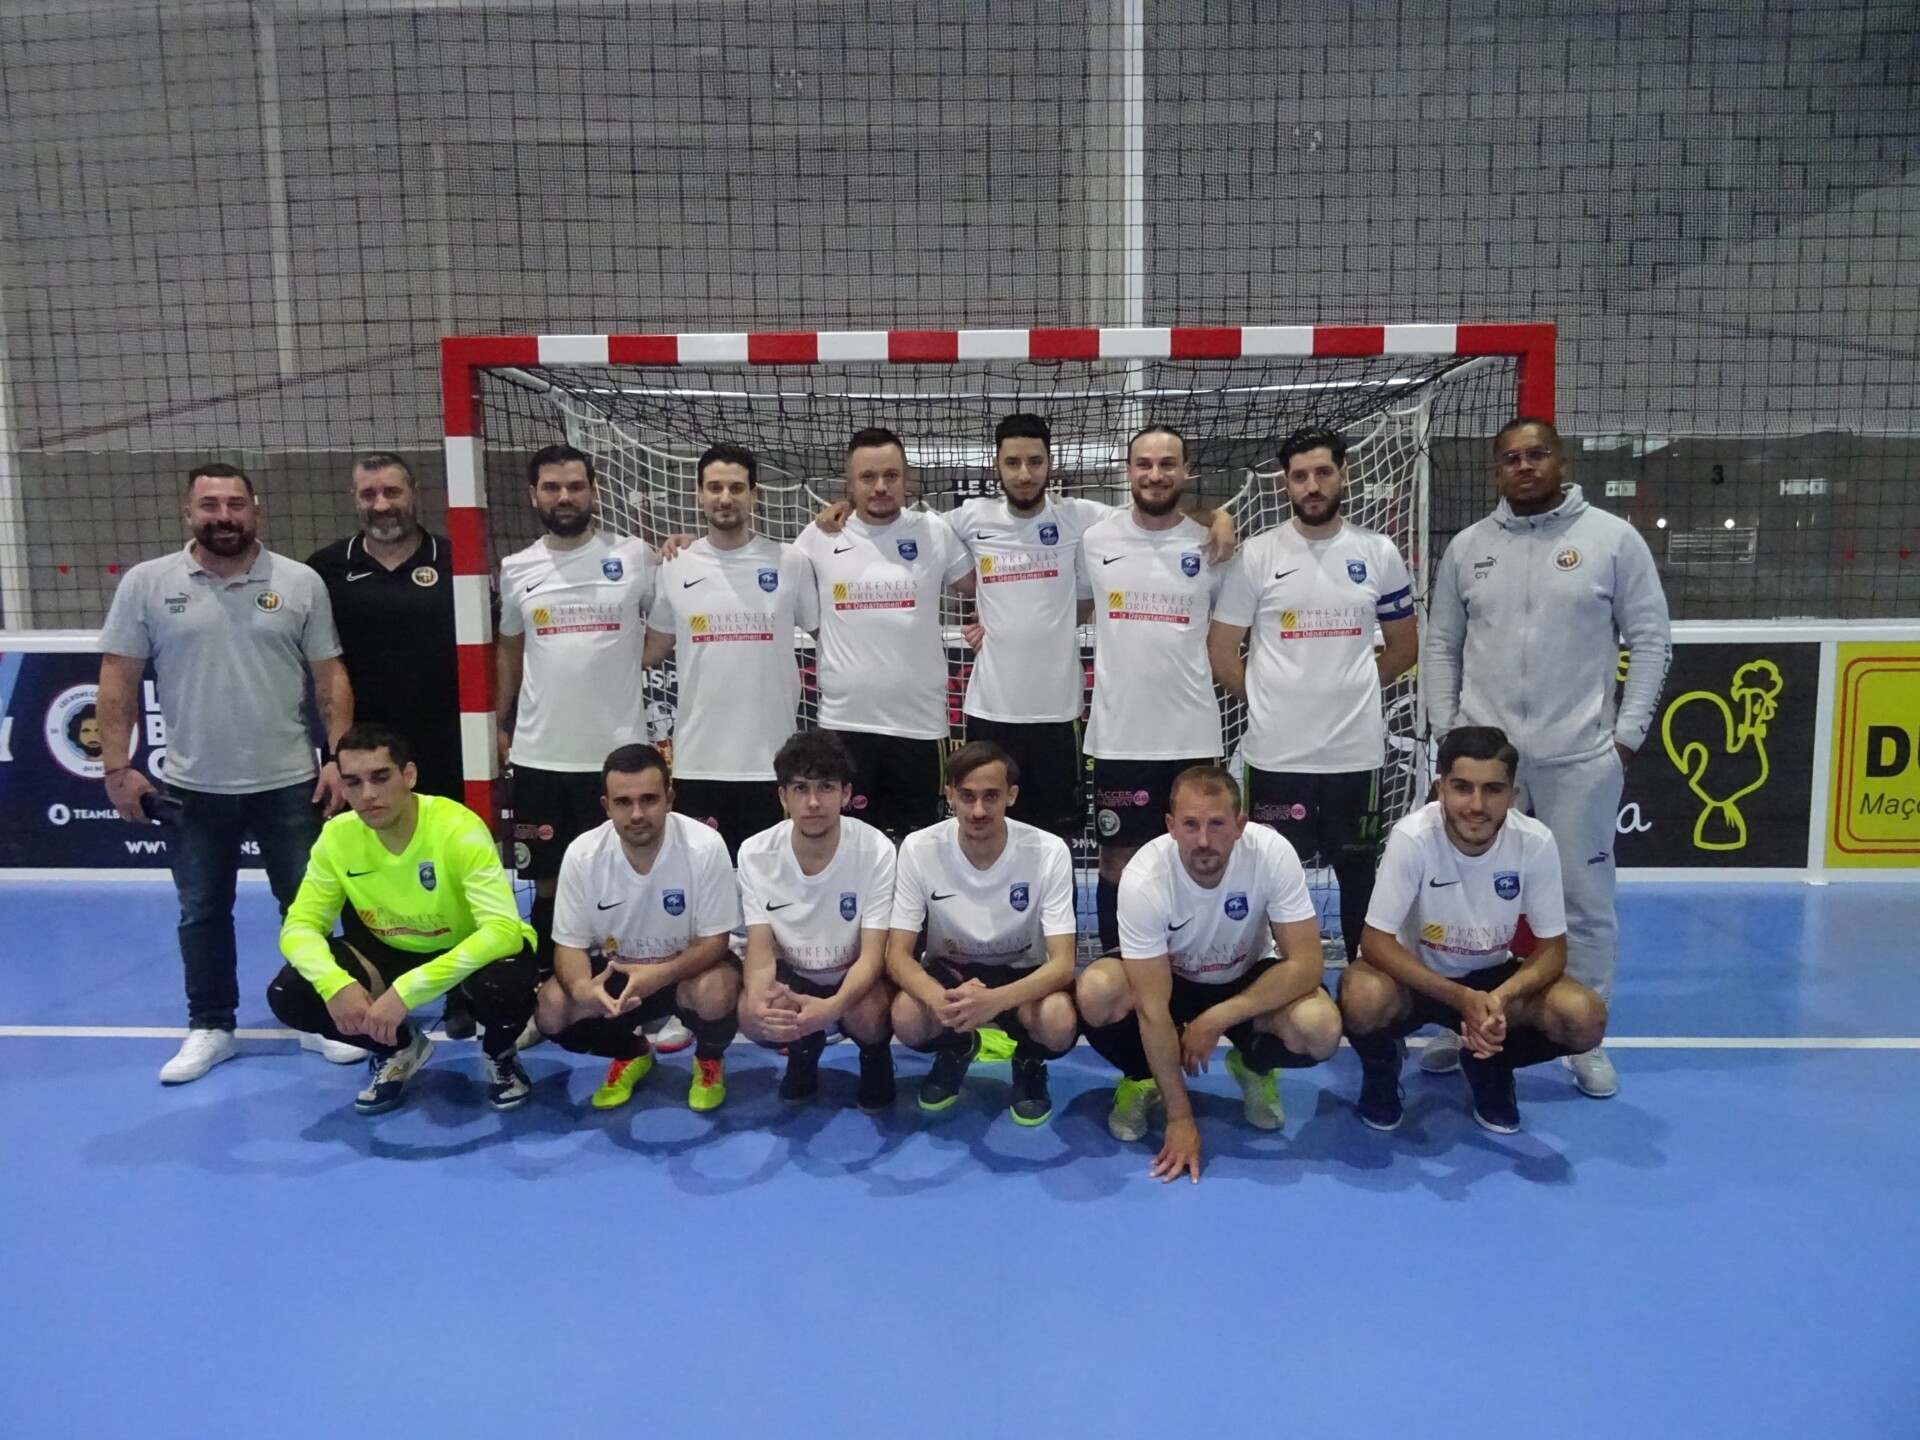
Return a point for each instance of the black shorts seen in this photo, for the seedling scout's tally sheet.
(1048, 757)
(896, 782)
(1130, 798)
(1428, 1011)
(735, 808)
(950, 973)
(550, 809)
(660, 1004)
(1335, 819)
(389, 962)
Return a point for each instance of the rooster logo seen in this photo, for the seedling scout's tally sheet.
(1733, 750)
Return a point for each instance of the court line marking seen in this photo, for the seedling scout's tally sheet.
(1618, 1042)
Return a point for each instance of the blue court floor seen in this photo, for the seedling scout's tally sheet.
(1726, 1249)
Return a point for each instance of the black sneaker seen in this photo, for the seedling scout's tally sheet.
(507, 1084)
(1491, 1082)
(802, 1080)
(877, 1089)
(941, 1087)
(1031, 1102)
(387, 1079)
(1380, 1095)
(457, 1017)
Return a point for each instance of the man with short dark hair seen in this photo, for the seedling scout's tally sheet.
(1458, 876)
(882, 657)
(1531, 610)
(1202, 909)
(640, 926)
(725, 608)
(983, 935)
(817, 891)
(1311, 593)
(437, 912)
(233, 631)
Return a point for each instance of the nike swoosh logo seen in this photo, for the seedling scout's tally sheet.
(689, 584)
(531, 588)
(361, 576)
(938, 896)
(607, 905)
(356, 874)
(1440, 884)
(1182, 925)
(781, 906)
(841, 550)
(1282, 574)
(985, 534)
(1111, 558)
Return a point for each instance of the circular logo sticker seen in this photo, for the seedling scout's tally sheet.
(522, 856)
(1109, 823)
(267, 600)
(59, 814)
(73, 731)
(1299, 811)
(1142, 798)
(1567, 559)
(425, 576)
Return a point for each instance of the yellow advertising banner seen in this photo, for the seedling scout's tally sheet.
(1873, 818)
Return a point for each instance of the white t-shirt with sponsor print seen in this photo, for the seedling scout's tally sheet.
(1312, 609)
(998, 916)
(817, 919)
(1457, 913)
(1153, 595)
(1027, 596)
(883, 663)
(1211, 935)
(583, 612)
(732, 614)
(604, 906)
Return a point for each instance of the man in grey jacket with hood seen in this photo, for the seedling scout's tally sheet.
(1530, 611)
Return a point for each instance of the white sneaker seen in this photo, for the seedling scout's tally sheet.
(202, 1050)
(670, 1036)
(1441, 1055)
(1593, 1072)
(336, 1051)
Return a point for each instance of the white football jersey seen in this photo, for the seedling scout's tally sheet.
(733, 614)
(817, 919)
(1211, 935)
(604, 906)
(1312, 609)
(583, 612)
(997, 916)
(1457, 913)
(882, 659)
(1153, 594)
(1027, 596)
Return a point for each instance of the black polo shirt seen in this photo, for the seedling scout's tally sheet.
(397, 639)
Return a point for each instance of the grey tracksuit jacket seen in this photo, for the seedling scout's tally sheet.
(1524, 630)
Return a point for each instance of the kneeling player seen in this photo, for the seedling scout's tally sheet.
(996, 900)
(422, 874)
(817, 890)
(640, 924)
(1458, 875)
(1201, 909)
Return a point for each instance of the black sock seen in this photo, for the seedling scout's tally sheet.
(1106, 904)
(1034, 1050)
(1120, 1045)
(1527, 1046)
(876, 1052)
(711, 1037)
(808, 1046)
(607, 1037)
(1379, 1047)
(542, 921)
(1356, 894)
(1269, 1052)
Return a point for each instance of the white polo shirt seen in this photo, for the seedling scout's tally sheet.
(817, 919)
(606, 907)
(998, 916)
(1211, 935)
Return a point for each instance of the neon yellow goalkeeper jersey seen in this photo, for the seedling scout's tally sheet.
(445, 895)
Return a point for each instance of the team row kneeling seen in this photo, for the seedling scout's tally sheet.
(961, 942)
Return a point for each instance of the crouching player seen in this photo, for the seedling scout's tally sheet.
(422, 874)
(1201, 909)
(1457, 877)
(817, 890)
(995, 900)
(640, 922)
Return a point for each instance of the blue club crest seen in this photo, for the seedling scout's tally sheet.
(1017, 897)
(613, 567)
(909, 549)
(1189, 562)
(1357, 571)
(1049, 534)
(1236, 906)
(769, 580)
(849, 904)
(674, 902)
(427, 878)
(1506, 884)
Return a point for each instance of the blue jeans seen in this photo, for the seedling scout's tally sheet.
(204, 845)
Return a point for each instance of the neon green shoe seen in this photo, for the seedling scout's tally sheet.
(995, 1044)
(1259, 1094)
(622, 1075)
(709, 1086)
(1133, 1106)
